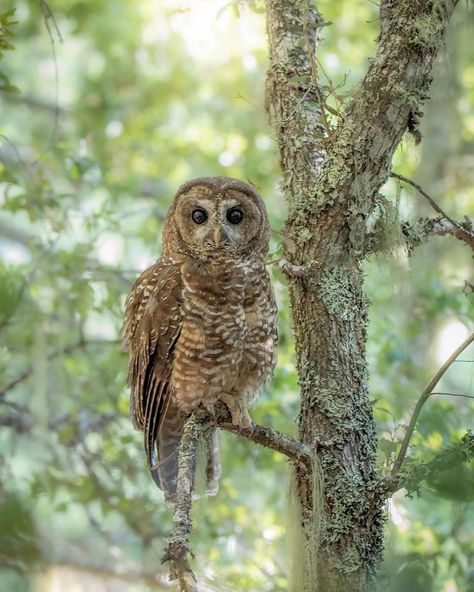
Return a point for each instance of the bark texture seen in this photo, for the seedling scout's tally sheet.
(331, 178)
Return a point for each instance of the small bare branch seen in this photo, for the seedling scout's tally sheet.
(425, 395)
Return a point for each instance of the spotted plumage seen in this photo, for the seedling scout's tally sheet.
(200, 324)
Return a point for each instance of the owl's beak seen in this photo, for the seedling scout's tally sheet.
(217, 236)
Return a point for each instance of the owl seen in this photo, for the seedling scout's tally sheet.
(200, 324)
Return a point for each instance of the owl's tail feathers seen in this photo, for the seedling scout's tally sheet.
(165, 470)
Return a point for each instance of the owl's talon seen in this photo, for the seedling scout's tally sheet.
(210, 408)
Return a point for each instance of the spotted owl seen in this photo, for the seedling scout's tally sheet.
(200, 324)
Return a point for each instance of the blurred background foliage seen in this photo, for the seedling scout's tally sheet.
(106, 107)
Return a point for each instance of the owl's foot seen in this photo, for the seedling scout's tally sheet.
(238, 412)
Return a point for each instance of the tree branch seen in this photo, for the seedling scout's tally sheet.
(294, 272)
(293, 96)
(178, 549)
(425, 395)
(443, 225)
(425, 228)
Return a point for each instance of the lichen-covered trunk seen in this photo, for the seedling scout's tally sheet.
(330, 316)
(331, 178)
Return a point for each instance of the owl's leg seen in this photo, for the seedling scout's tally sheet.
(238, 410)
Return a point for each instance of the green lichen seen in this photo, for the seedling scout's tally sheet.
(304, 235)
(337, 292)
(427, 29)
(411, 97)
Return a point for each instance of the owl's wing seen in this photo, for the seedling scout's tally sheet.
(150, 331)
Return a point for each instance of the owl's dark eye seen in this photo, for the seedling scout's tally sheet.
(235, 216)
(199, 216)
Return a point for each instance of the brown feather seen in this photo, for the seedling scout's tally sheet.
(150, 331)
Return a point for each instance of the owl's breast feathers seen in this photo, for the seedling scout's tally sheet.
(227, 332)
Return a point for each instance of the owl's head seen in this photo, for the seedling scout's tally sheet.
(210, 215)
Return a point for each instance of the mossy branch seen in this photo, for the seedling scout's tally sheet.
(436, 226)
(178, 547)
(425, 228)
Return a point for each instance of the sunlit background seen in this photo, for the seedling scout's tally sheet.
(120, 102)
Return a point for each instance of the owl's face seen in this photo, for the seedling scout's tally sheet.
(219, 214)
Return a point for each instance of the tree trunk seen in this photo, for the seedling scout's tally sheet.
(331, 177)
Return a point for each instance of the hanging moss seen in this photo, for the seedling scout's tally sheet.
(295, 539)
(387, 229)
(200, 475)
(303, 536)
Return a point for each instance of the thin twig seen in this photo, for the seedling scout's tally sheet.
(52, 26)
(453, 395)
(421, 401)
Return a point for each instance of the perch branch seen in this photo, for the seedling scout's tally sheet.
(265, 436)
(425, 395)
(178, 551)
(444, 225)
